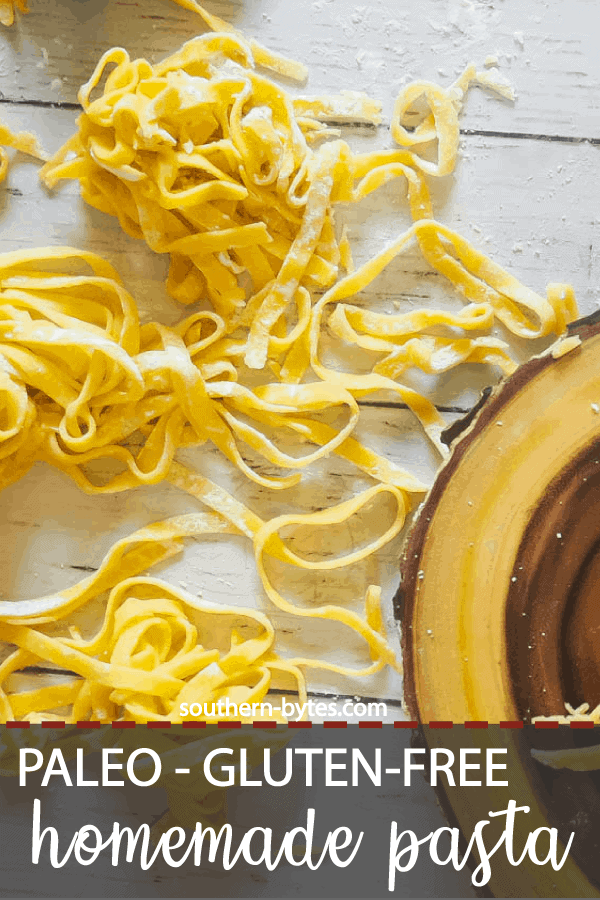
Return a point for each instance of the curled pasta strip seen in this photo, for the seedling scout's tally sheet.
(23, 141)
(303, 248)
(268, 536)
(492, 294)
(402, 339)
(441, 122)
(480, 280)
(267, 542)
(289, 68)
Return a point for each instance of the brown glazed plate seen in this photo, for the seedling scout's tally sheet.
(499, 601)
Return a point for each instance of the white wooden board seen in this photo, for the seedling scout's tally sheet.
(546, 47)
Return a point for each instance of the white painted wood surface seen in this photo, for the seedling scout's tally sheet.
(528, 201)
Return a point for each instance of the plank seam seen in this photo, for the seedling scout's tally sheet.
(529, 136)
(467, 132)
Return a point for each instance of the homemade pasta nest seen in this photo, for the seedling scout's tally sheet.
(79, 380)
(148, 657)
(207, 160)
(213, 163)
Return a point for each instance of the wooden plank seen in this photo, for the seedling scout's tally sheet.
(550, 59)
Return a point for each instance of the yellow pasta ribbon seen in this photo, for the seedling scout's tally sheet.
(23, 141)
(149, 656)
(7, 10)
(289, 68)
(440, 123)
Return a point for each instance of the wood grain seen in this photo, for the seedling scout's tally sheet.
(548, 50)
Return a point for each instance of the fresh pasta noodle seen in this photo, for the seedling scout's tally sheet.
(289, 68)
(7, 10)
(23, 141)
(441, 123)
(148, 657)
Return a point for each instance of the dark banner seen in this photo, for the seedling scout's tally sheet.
(300, 812)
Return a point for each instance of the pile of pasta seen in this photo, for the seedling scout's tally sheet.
(82, 382)
(215, 164)
(148, 656)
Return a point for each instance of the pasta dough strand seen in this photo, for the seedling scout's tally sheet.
(148, 657)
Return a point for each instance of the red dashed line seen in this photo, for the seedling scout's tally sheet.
(304, 724)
